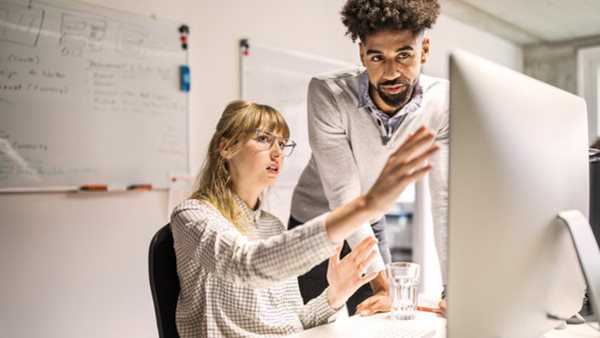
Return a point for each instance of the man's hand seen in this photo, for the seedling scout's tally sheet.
(379, 302)
(346, 276)
(442, 305)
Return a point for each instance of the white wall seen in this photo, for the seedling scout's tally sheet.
(449, 33)
(588, 87)
(75, 265)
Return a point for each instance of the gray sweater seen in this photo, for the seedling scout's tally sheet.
(350, 147)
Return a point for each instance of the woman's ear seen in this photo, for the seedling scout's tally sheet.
(224, 148)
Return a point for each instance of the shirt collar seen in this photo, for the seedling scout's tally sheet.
(252, 215)
(364, 99)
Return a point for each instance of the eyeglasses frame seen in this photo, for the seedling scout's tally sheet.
(287, 142)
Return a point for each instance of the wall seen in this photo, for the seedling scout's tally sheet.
(556, 63)
(568, 65)
(75, 265)
(449, 34)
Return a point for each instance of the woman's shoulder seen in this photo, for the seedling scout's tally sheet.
(192, 204)
(202, 210)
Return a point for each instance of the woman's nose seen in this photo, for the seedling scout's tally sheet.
(276, 150)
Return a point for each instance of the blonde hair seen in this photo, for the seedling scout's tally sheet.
(214, 183)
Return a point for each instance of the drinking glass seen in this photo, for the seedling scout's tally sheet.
(403, 278)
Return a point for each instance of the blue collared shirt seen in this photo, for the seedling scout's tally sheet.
(389, 123)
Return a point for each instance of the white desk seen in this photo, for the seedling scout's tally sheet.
(376, 326)
(574, 331)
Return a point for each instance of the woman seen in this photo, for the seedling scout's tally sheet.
(237, 265)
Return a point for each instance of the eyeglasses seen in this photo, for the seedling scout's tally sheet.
(266, 140)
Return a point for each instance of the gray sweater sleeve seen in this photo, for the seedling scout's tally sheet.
(438, 187)
(330, 146)
(331, 150)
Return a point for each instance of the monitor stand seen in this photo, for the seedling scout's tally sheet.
(588, 254)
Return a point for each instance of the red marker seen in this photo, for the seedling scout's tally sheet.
(94, 187)
(429, 309)
(140, 187)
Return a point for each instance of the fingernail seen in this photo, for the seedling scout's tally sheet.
(364, 313)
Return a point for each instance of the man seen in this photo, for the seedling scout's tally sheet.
(356, 118)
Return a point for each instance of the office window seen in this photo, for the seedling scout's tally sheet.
(598, 88)
(399, 229)
(588, 87)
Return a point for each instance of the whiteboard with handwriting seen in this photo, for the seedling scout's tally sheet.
(89, 96)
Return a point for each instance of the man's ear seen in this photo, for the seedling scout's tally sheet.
(363, 57)
(424, 50)
(224, 148)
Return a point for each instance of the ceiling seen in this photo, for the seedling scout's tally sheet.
(529, 21)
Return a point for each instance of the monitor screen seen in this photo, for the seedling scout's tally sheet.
(518, 157)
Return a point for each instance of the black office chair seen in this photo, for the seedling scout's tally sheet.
(164, 281)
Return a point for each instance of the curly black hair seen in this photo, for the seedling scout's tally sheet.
(364, 17)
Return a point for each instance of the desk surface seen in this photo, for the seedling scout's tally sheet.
(379, 326)
(382, 326)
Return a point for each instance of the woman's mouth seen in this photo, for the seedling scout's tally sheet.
(273, 168)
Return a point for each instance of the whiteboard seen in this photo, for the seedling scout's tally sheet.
(89, 96)
(279, 78)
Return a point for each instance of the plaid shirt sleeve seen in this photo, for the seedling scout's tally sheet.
(317, 311)
(206, 236)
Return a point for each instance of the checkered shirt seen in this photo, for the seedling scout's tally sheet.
(235, 285)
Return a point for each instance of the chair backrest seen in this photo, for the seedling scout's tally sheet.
(164, 281)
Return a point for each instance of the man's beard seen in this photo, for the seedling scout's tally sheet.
(396, 100)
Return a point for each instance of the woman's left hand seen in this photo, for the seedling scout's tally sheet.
(346, 276)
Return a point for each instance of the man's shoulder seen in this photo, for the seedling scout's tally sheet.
(345, 74)
(340, 83)
(342, 77)
(435, 89)
(432, 82)
(436, 95)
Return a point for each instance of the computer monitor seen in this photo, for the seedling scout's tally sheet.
(518, 157)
